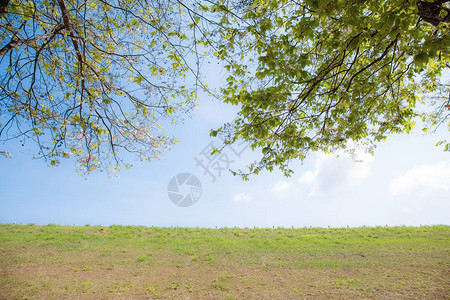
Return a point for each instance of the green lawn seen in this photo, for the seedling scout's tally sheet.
(128, 262)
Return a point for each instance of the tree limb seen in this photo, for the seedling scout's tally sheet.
(18, 42)
(3, 5)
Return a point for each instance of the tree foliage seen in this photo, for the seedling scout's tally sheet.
(312, 75)
(90, 78)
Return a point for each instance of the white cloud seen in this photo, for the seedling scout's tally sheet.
(242, 197)
(424, 179)
(284, 189)
(308, 177)
(333, 174)
(281, 186)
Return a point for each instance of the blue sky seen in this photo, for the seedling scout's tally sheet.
(407, 181)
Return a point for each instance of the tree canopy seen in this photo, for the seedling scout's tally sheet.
(91, 78)
(312, 75)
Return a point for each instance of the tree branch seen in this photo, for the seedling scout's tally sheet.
(3, 5)
(15, 43)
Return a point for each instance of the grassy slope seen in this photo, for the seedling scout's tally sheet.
(95, 262)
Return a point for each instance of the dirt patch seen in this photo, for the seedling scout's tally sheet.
(185, 266)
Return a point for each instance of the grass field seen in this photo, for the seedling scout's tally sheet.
(127, 262)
